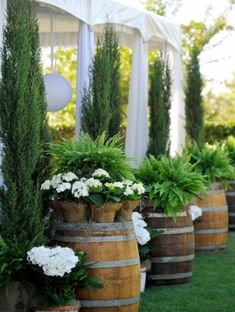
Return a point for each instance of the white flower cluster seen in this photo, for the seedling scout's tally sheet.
(133, 188)
(142, 235)
(195, 212)
(54, 261)
(78, 188)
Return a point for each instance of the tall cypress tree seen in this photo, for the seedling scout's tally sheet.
(22, 126)
(96, 112)
(160, 104)
(111, 42)
(193, 99)
(101, 102)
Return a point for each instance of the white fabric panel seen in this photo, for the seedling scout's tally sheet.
(152, 27)
(177, 132)
(3, 7)
(137, 126)
(85, 57)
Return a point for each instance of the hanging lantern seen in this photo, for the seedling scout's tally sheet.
(58, 91)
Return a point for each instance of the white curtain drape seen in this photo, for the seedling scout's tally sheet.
(137, 127)
(177, 131)
(85, 57)
(3, 7)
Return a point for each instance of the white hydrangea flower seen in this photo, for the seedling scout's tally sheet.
(63, 187)
(118, 184)
(142, 235)
(100, 173)
(93, 183)
(46, 185)
(69, 177)
(195, 212)
(128, 191)
(80, 189)
(38, 255)
(127, 182)
(56, 180)
(137, 219)
(56, 261)
(110, 186)
(139, 188)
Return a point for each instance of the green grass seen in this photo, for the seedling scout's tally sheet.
(211, 290)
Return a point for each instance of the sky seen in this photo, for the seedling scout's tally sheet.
(217, 60)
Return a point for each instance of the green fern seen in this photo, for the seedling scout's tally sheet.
(229, 149)
(85, 155)
(172, 183)
(212, 162)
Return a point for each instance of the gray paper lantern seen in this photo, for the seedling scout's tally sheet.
(58, 92)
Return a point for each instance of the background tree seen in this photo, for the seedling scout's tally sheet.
(101, 104)
(160, 103)
(22, 132)
(193, 99)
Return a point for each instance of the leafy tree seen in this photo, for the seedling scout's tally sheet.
(160, 103)
(23, 127)
(193, 100)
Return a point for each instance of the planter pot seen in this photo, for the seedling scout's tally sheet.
(69, 308)
(143, 274)
(19, 298)
(69, 211)
(105, 213)
(230, 196)
(212, 229)
(113, 252)
(172, 258)
(125, 213)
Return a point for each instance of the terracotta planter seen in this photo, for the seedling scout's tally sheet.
(125, 213)
(70, 308)
(69, 211)
(105, 213)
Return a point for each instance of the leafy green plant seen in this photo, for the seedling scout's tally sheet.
(211, 161)
(171, 183)
(84, 156)
(229, 148)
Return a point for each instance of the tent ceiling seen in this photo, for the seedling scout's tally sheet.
(156, 30)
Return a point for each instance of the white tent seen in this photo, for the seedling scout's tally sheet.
(76, 21)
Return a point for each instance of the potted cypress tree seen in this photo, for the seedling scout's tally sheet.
(171, 184)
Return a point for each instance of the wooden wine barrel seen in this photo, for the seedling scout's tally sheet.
(172, 258)
(230, 196)
(211, 230)
(112, 249)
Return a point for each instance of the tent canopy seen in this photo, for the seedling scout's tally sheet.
(154, 29)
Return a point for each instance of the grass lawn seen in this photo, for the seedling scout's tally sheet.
(211, 290)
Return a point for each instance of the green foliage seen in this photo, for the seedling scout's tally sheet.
(13, 262)
(229, 149)
(193, 100)
(161, 7)
(211, 161)
(83, 157)
(101, 109)
(160, 103)
(23, 125)
(171, 183)
(216, 133)
(199, 33)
